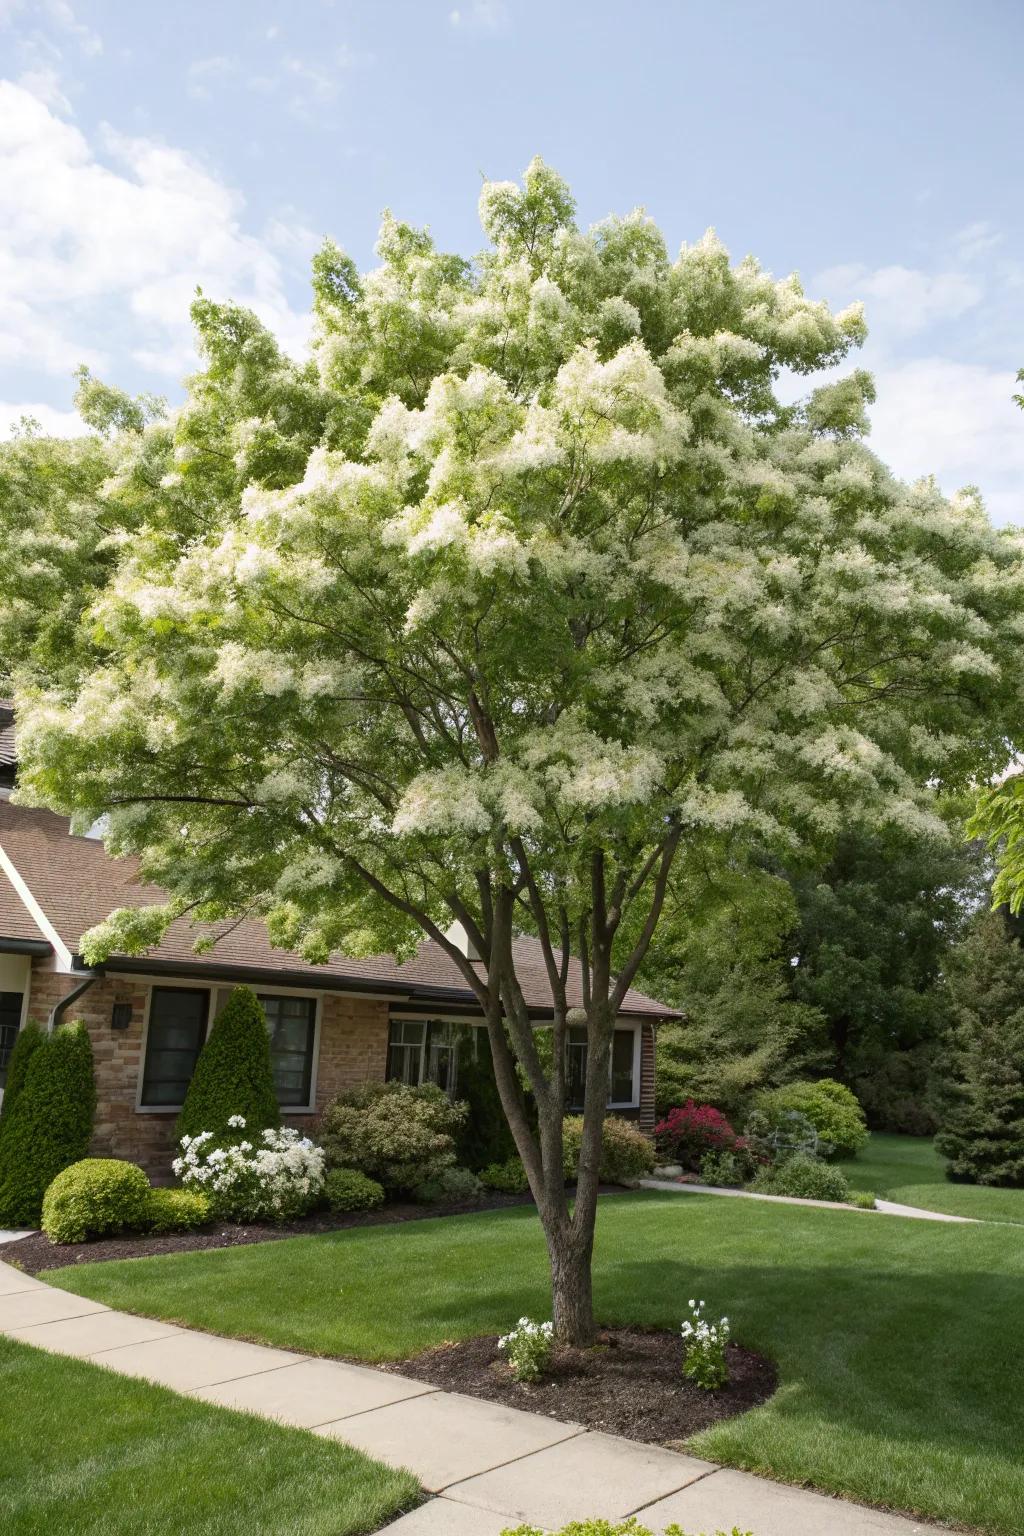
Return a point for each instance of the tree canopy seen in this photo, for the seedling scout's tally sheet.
(525, 582)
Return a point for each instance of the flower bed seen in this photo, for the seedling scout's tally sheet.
(630, 1384)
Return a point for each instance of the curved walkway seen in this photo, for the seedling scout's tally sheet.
(488, 1467)
(887, 1207)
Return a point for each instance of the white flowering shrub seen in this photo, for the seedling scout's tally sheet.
(275, 1178)
(527, 1348)
(704, 1362)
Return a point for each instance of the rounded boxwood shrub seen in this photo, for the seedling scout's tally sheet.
(626, 1152)
(509, 1177)
(176, 1210)
(401, 1136)
(454, 1185)
(831, 1108)
(27, 1043)
(346, 1189)
(233, 1075)
(806, 1178)
(94, 1197)
(49, 1125)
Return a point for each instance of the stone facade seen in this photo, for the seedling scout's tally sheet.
(353, 1049)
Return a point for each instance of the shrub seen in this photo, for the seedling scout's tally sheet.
(626, 1153)
(93, 1197)
(863, 1199)
(401, 1136)
(831, 1108)
(27, 1043)
(528, 1349)
(687, 1133)
(233, 1075)
(509, 1177)
(452, 1184)
(276, 1178)
(177, 1210)
(484, 1136)
(49, 1126)
(704, 1361)
(772, 1134)
(726, 1170)
(807, 1178)
(346, 1189)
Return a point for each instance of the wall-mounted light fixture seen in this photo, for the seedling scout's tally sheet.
(121, 1016)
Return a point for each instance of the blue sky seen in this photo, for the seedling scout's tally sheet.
(874, 147)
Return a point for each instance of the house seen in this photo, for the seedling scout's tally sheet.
(331, 1026)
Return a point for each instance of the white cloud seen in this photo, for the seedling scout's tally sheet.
(116, 233)
(58, 14)
(203, 74)
(480, 16)
(900, 301)
(44, 83)
(976, 240)
(957, 421)
(53, 422)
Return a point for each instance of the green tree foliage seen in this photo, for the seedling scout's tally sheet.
(720, 956)
(831, 1107)
(50, 1124)
(28, 1042)
(524, 584)
(873, 931)
(233, 1075)
(982, 1131)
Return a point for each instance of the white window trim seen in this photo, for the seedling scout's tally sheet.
(212, 989)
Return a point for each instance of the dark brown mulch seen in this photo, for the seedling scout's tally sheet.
(631, 1383)
(36, 1253)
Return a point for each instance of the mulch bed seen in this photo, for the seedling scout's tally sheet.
(36, 1253)
(630, 1383)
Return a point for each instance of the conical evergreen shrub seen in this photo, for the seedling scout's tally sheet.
(49, 1125)
(28, 1041)
(233, 1075)
(982, 1132)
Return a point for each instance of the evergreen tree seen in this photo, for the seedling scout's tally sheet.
(982, 1135)
(49, 1125)
(233, 1075)
(28, 1041)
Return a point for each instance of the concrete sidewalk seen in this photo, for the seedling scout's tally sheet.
(886, 1207)
(488, 1467)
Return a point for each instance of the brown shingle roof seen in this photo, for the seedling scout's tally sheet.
(77, 884)
(16, 922)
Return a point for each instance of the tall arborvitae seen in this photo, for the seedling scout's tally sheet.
(233, 1075)
(982, 1135)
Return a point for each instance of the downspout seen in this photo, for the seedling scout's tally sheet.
(58, 1010)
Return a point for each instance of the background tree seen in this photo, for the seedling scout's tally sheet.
(875, 927)
(562, 589)
(982, 1132)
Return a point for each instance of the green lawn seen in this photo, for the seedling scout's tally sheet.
(908, 1169)
(900, 1343)
(86, 1453)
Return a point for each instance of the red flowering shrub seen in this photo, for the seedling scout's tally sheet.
(687, 1134)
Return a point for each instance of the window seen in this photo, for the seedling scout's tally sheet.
(621, 1068)
(10, 1023)
(177, 1029)
(291, 1022)
(405, 1051)
(426, 1052)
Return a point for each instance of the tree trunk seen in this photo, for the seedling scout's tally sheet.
(572, 1295)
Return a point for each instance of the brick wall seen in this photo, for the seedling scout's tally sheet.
(353, 1049)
